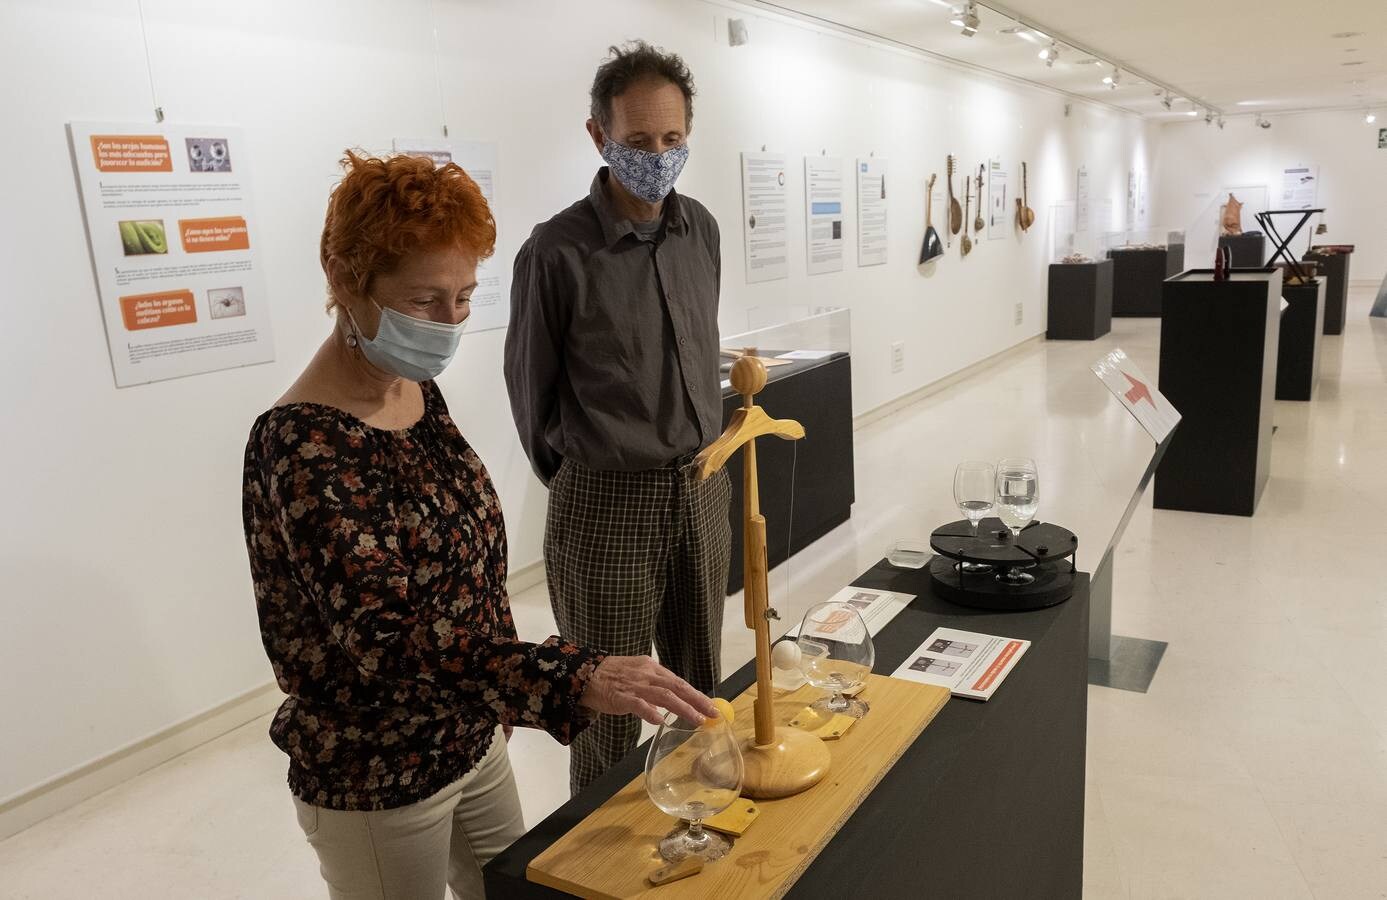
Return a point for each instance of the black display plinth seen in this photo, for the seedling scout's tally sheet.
(1080, 302)
(1248, 250)
(1137, 276)
(1333, 269)
(818, 395)
(1219, 344)
(1302, 324)
(1014, 764)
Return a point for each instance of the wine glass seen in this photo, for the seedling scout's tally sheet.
(836, 655)
(693, 772)
(1018, 496)
(975, 492)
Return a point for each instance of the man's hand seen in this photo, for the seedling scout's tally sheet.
(638, 685)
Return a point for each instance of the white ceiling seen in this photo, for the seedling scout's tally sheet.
(1238, 56)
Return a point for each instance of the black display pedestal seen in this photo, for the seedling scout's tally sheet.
(1219, 343)
(818, 395)
(1014, 765)
(1080, 302)
(1137, 276)
(1302, 324)
(1333, 271)
(1249, 249)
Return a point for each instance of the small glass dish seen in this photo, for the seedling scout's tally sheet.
(909, 554)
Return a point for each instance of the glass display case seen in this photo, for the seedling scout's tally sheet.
(1067, 243)
(787, 346)
(1140, 239)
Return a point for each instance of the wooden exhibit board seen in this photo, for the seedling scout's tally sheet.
(611, 852)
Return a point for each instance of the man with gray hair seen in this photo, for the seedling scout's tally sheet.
(612, 368)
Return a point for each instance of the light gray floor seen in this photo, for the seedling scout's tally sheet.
(1255, 766)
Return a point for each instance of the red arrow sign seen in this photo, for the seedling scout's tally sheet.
(1138, 392)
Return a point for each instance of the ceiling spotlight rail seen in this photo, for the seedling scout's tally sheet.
(963, 14)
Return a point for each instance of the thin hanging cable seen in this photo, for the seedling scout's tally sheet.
(149, 64)
(790, 523)
(438, 70)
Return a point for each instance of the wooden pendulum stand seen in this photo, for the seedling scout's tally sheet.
(779, 760)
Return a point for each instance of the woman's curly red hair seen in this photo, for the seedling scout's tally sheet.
(386, 209)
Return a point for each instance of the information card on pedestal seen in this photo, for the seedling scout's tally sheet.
(173, 240)
(1138, 393)
(764, 217)
(970, 665)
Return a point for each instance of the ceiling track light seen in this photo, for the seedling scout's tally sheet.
(1261, 122)
(966, 19)
(1167, 101)
(1114, 79)
(1050, 54)
(1220, 123)
(1208, 117)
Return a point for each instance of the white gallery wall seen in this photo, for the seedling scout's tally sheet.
(1199, 161)
(126, 600)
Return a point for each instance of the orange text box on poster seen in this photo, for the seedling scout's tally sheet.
(207, 235)
(158, 310)
(131, 153)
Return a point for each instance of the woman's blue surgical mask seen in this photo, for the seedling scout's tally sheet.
(649, 176)
(411, 348)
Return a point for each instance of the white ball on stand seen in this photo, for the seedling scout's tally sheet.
(785, 655)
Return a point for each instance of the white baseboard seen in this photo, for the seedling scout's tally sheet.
(525, 577)
(105, 772)
(877, 413)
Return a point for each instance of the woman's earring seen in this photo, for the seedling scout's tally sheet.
(351, 341)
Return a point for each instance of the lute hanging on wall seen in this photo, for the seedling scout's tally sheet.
(778, 760)
(931, 248)
(1025, 216)
(955, 211)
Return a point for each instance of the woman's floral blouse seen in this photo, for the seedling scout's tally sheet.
(379, 562)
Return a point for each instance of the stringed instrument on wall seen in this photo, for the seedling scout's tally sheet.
(966, 243)
(978, 222)
(1025, 216)
(955, 211)
(932, 247)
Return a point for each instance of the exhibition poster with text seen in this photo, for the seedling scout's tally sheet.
(765, 217)
(491, 299)
(823, 213)
(872, 233)
(173, 239)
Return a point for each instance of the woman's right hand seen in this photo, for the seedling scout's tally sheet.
(637, 685)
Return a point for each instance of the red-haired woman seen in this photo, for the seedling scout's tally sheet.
(378, 555)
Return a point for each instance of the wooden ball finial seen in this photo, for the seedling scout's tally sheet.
(748, 374)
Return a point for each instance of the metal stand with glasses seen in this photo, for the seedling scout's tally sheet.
(1007, 561)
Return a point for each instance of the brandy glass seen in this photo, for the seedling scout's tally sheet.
(693, 772)
(836, 655)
